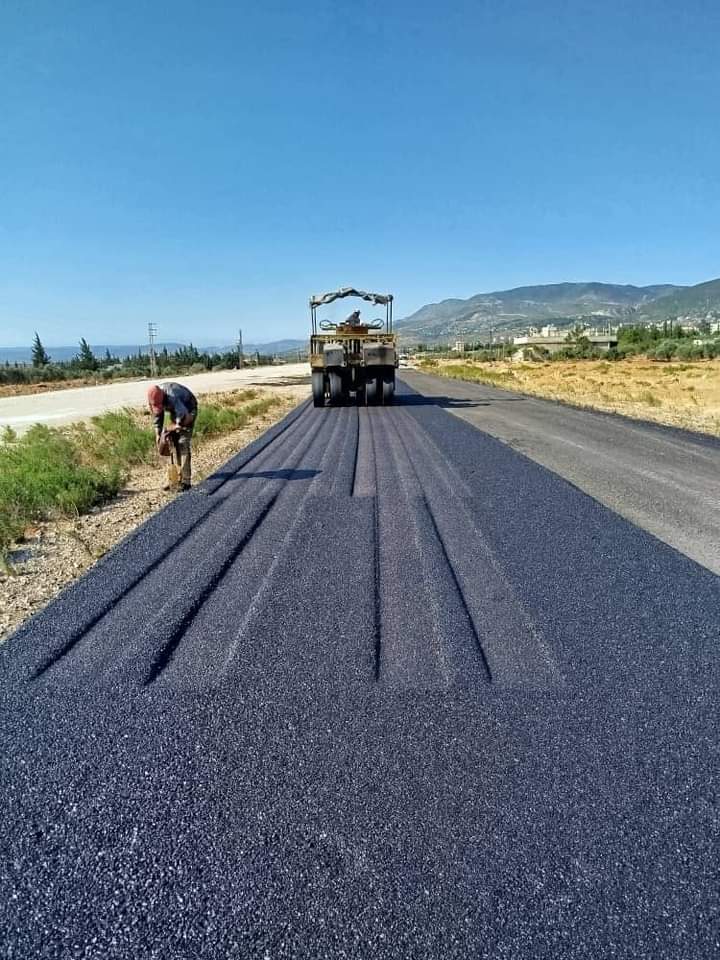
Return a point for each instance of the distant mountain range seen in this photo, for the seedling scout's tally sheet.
(59, 354)
(511, 311)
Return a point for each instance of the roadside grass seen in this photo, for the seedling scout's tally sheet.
(466, 371)
(119, 437)
(233, 413)
(40, 474)
(67, 471)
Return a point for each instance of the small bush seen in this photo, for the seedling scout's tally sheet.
(118, 438)
(665, 350)
(40, 474)
(214, 419)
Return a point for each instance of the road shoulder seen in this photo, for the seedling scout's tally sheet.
(662, 478)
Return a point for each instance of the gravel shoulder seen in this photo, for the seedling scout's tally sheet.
(58, 551)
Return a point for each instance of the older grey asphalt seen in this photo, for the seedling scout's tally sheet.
(665, 480)
(380, 687)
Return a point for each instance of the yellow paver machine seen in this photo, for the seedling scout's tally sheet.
(353, 357)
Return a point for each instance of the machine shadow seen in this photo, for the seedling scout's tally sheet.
(287, 474)
(418, 400)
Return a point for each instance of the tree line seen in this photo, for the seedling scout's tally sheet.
(186, 359)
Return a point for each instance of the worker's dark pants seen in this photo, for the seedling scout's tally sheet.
(182, 442)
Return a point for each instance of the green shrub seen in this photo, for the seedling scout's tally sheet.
(117, 438)
(41, 474)
(665, 350)
(214, 419)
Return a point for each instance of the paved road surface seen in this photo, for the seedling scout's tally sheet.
(665, 480)
(380, 687)
(81, 403)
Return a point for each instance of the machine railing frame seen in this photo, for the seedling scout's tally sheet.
(385, 299)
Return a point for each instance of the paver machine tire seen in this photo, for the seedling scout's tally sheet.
(318, 388)
(337, 393)
(388, 387)
(373, 391)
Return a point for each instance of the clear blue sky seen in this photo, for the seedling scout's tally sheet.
(210, 164)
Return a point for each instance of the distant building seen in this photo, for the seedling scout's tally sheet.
(459, 346)
(555, 343)
(549, 331)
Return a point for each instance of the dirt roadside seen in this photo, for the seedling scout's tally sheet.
(50, 386)
(56, 552)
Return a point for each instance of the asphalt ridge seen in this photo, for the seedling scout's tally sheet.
(380, 687)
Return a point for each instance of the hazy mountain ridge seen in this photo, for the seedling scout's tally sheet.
(62, 354)
(696, 302)
(511, 311)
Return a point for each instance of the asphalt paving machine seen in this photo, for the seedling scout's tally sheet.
(353, 358)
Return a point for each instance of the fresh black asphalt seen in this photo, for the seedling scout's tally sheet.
(380, 687)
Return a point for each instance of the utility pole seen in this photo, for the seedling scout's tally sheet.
(240, 349)
(152, 337)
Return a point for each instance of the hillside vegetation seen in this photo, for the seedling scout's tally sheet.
(512, 311)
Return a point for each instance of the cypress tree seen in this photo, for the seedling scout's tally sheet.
(39, 354)
(86, 358)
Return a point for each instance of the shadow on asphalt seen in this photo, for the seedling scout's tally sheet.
(419, 400)
(269, 475)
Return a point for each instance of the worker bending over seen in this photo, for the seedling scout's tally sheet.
(182, 406)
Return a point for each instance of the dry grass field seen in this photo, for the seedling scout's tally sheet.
(680, 394)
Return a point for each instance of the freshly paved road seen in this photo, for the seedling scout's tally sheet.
(665, 480)
(57, 407)
(380, 687)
